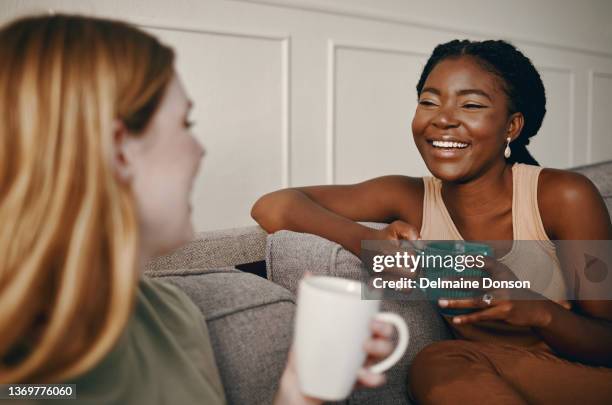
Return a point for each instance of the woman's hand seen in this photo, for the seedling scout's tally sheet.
(395, 232)
(519, 306)
(398, 230)
(378, 347)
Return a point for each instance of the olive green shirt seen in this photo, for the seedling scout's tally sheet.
(164, 356)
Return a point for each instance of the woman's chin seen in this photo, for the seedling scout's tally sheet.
(171, 243)
(448, 170)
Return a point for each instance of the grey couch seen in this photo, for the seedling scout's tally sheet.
(250, 318)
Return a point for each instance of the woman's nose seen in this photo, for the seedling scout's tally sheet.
(445, 118)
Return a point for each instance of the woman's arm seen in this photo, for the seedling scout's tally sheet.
(572, 209)
(333, 211)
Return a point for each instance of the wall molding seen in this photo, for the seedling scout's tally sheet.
(284, 41)
(360, 12)
(592, 74)
(332, 48)
(571, 105)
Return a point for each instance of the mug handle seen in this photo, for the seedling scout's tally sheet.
(402, 341)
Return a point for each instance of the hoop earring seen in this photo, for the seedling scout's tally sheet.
(507, 151)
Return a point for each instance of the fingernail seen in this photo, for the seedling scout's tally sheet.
(456, 320)
(443, 303)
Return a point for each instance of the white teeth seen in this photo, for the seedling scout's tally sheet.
(448, 144)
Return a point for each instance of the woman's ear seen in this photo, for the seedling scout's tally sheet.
(121, 157)
(515, 126)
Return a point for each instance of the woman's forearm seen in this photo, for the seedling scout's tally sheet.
(577, 337)
(293, 210)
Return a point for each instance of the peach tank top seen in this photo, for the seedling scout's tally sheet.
(527, 226)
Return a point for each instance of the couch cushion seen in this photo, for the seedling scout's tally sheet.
(213, 249)
(290, 254)
(600, 174)
(250, 322)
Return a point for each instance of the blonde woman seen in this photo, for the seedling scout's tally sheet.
(97, 162)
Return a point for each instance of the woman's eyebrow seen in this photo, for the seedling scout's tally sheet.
(474, 91)
(463, 92)
(431, 90)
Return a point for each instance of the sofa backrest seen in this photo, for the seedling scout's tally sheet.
(601, 175)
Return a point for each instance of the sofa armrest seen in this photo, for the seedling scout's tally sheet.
(214, 249)
(250, 322)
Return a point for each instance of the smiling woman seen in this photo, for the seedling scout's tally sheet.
(493, 91)
(479, 103)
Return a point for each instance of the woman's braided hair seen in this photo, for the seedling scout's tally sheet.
(521, 82)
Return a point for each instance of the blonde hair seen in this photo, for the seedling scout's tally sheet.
(69, 229)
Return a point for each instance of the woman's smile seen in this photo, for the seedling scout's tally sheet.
(448, 148)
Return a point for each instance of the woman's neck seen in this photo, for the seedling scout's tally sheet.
(483, 194)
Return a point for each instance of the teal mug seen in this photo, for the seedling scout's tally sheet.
(451, 269)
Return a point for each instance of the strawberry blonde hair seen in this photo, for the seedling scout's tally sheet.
(69, 228)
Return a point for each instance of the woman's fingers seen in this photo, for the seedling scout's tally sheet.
(404, 230)
(474, 302)
(378, 349)
(379, 346)
(369, 379)
(382, 329)
(493, 313)
(496, 297)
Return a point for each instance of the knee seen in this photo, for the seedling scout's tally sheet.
(437, 366)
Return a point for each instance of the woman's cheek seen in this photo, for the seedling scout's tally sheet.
(483, 125)
(417, 124)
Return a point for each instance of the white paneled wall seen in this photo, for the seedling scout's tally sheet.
(239, 84)
(372, 100)
(295, 92)
(599, 141)
(553, 145)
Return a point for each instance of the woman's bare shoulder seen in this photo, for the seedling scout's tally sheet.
(571, 206)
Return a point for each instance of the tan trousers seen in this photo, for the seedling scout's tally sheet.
(467, 372)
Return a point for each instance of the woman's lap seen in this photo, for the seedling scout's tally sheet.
(461, 371)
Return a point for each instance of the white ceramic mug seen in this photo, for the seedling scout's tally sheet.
(332, 324)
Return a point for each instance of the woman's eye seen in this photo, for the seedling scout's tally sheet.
(473, 106)
(426, 102)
